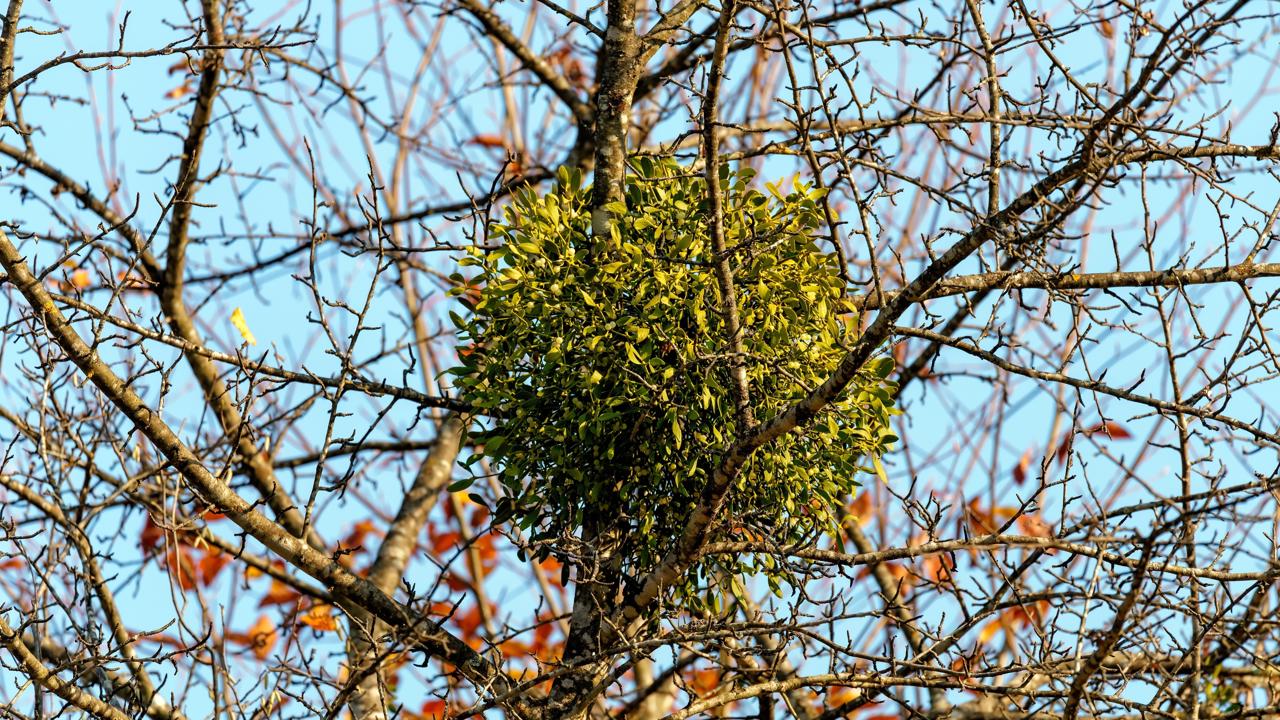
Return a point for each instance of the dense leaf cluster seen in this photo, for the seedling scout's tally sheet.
(606, 365)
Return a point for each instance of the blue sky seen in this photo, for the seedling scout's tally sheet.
(100, 140)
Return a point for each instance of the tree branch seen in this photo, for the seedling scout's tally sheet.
(353, 592)
(171, 283)
(555, 82)
(367, 700)
(47, 679)
(1033, 280)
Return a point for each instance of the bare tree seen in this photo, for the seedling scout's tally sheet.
(244, 475)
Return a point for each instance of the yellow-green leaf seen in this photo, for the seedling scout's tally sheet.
(884, 477)
(237, 319)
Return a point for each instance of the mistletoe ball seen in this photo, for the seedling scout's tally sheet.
(601, 366)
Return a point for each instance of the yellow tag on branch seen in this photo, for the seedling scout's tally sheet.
(237, 319)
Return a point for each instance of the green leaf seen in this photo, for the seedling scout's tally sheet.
(881, 367)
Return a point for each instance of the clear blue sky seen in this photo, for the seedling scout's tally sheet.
(98, 140)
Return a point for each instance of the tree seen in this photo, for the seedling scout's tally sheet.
(811, 360)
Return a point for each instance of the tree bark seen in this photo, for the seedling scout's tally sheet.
(367, 699)
(619, 63)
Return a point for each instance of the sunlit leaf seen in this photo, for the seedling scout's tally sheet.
(262, 637)
(1024, 465)
(279, 594)
(237, 319)
(489, 141)
(210, 565)
(320, 617)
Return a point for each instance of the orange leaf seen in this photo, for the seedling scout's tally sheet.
(433, 710)
(938, 567)
(469, 623)
(1035, 526)
(1020, 470)
(479, 517)
(472, 295)
(541, 634)
(569, 65)
(279, 594)
(151, 536)
(251, 572)
(703, 682)
(353, 543)
(262, 637)
(861, 508)
(441, 608)
(1024, 615)
(132, 282)
(1113, 430)
(839, 694)
(211, 564)
(488, 553)
(514, 648)
(988, 631)
(1064, 449)
(189, 66)
(490, 141)
(177, 560)
(551, 568)
(899, 354)
(1005, 513)
(980, 521)
(359, 532)
(183, 89)
(444, 541)
(80, 279)
(1012, 620)
(320, 617)
(899, 572)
